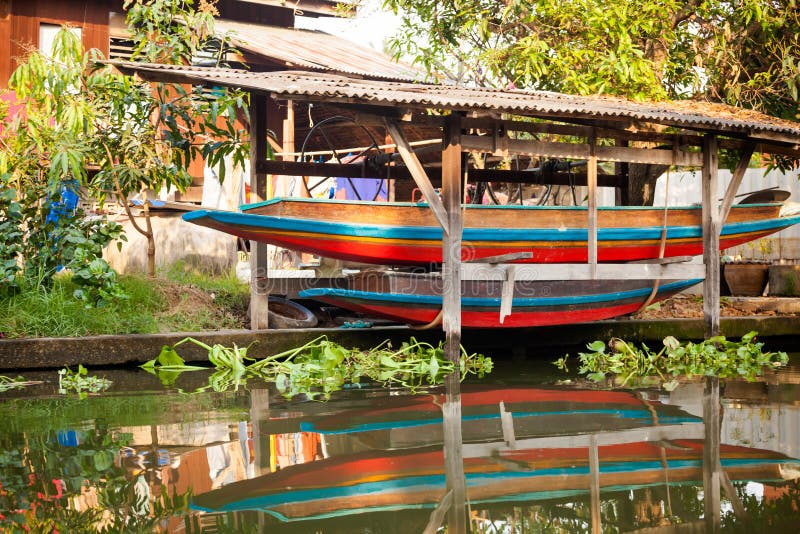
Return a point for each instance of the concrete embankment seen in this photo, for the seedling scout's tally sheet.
(47, 353)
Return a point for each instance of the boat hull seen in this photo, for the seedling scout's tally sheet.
(417, 300)
(407, 234)
(390, 480)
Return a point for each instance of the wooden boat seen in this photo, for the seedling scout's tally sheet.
(400, 233)
(417, 299)
(552, 426)
(379, 481)
(416, 420)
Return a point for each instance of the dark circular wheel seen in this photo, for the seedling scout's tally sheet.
(284, 313)
(320, 128)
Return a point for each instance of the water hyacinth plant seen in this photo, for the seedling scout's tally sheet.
(80, 382)
(322, 366)
(634, 366)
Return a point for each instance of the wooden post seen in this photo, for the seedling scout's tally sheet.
(451, 320)
(259, 412)
(591, 180)
(621, 169)
(711, 458)
(594, 480)
(736, 181)
(711, 228)
(259, 283)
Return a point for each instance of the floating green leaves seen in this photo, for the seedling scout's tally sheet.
(715, 356)
(7, 383)
(321, 366)
(80, 382)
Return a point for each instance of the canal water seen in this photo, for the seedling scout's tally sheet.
(540, 451)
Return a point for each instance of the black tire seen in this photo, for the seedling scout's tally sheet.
(284, 313)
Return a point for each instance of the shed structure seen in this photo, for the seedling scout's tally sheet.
(591, 128)
(683, 134)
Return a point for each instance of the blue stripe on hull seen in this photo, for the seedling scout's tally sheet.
(476, 302)
(266, 222)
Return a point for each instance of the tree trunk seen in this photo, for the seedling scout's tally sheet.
(642, 179)
(151, 241)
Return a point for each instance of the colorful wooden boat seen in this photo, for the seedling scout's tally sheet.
(416, 420)
(376, 481)
(400, 233)
(417, 299)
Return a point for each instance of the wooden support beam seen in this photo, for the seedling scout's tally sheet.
(357, 170)
(507, 297)
(582, 151)
(451, 313)
(591, 178)
(603, 438)
(437, 516)
(583, 271)
(623, 134)
(736, 181)
(259, 265)
(594, 484)
(711, 229)
(711, 454)
(507, 424)
(621, 169)
(421, 179)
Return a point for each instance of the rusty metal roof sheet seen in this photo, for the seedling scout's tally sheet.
(719, 118)
(314, 50)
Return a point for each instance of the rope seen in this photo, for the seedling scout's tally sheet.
(436, 322)
(662, 246)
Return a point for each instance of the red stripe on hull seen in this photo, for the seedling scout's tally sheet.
(390, 252)
(489, 318)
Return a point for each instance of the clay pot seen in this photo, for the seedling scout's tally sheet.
(746, 279)
(784, 280)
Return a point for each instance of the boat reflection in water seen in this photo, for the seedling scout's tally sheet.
(522, 446)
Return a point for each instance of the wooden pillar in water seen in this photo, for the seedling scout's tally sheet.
(451, 321)
(711, 455)
(259, 288)
(451, 242)
(711, 228)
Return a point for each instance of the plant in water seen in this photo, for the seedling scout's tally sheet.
(7, 383)
(80, 382)
(321, 366)
(716, 356)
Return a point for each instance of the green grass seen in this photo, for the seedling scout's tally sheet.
(180, 300)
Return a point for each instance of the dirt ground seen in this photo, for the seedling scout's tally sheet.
(691, 306)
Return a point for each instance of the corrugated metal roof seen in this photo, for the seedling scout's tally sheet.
(314, 50)
(341, 89)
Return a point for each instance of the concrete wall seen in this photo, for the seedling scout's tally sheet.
(176, 240)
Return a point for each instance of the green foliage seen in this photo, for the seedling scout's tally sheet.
(38, 311)
(201, 302)
(80, 382)
(79, 114)
(744, 53)
(321, 366)
(7, 383)
(40, 475)
(10, 237)
(716, 356)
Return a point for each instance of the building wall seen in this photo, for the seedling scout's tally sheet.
(176, 241)
(20, 21)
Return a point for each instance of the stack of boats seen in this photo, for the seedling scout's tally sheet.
(407, 234)
(388, 457)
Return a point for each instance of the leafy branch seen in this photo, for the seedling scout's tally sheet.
(634, 366)
(321, 366)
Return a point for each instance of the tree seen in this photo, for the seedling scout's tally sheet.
(740, 52)
(80, 114)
